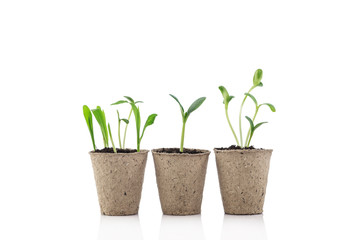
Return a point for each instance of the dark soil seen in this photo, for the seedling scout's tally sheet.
(118, 150)
(177, 150)
(234, 147)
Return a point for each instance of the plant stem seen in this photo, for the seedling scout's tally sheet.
(119, 134)
(182, 137)
(247, 141)
(232, 130)
(242, 105)
(111, 138)
(126, 128)
(138, 144)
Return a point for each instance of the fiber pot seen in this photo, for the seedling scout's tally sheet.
(119, 178)
(243, 175)
(180, 179)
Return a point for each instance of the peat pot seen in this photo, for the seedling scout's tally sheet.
(119, 178)
(180, 179)
(243, 175)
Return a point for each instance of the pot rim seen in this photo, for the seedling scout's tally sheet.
(142, 151)
(203, 152)
(243, 150)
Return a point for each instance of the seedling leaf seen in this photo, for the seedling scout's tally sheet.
(272, 108)
(150, 121)
(101, 119)
(125, 120)
(257, 77)
(129, 98)
(195, 105)
(119, 102)
(251, 123)
(258, 125)
(88, 118)
(225, 94)
(252, 97)
(181, 107)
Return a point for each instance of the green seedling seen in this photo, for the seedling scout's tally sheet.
(253, 127)
(129, 101)
(185, 115)
(89, 122)
(119, 122)
(256, 83)
(150, 121)
(101, 119)
(227, 98)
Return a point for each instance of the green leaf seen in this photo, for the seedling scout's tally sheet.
(195, 105)
(260, 84)
(272, 108)
(130, 99)
(136, 111)
(88, 118)
(251, 124)
(101, 119)
(257, 77)
(181, 107)
(139, 102)
(258, 125)
(252, 97)
(119, 102)
(124, 120)
(225, 94)
(252, 129)
(150, 121)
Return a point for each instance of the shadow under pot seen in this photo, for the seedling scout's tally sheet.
(243, 175)
(119, 178)
(180, 179)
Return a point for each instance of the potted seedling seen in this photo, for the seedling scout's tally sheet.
(243, 169)
(180, 172)
(119, 172)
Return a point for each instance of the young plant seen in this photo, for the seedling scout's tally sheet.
(88, 118)
(185, 115)
(253, 127)
(227, 98)
(256, 83)
(130, 100)
(101, 119)
(119, 122)
(150, 121)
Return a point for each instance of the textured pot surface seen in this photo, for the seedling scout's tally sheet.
(119, 178)
(243, 178)
(180, 180)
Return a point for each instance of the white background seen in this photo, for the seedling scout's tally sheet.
(56, 56)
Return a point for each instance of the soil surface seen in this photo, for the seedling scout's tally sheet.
(118, 150)
(177, 150)
(234, 147)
